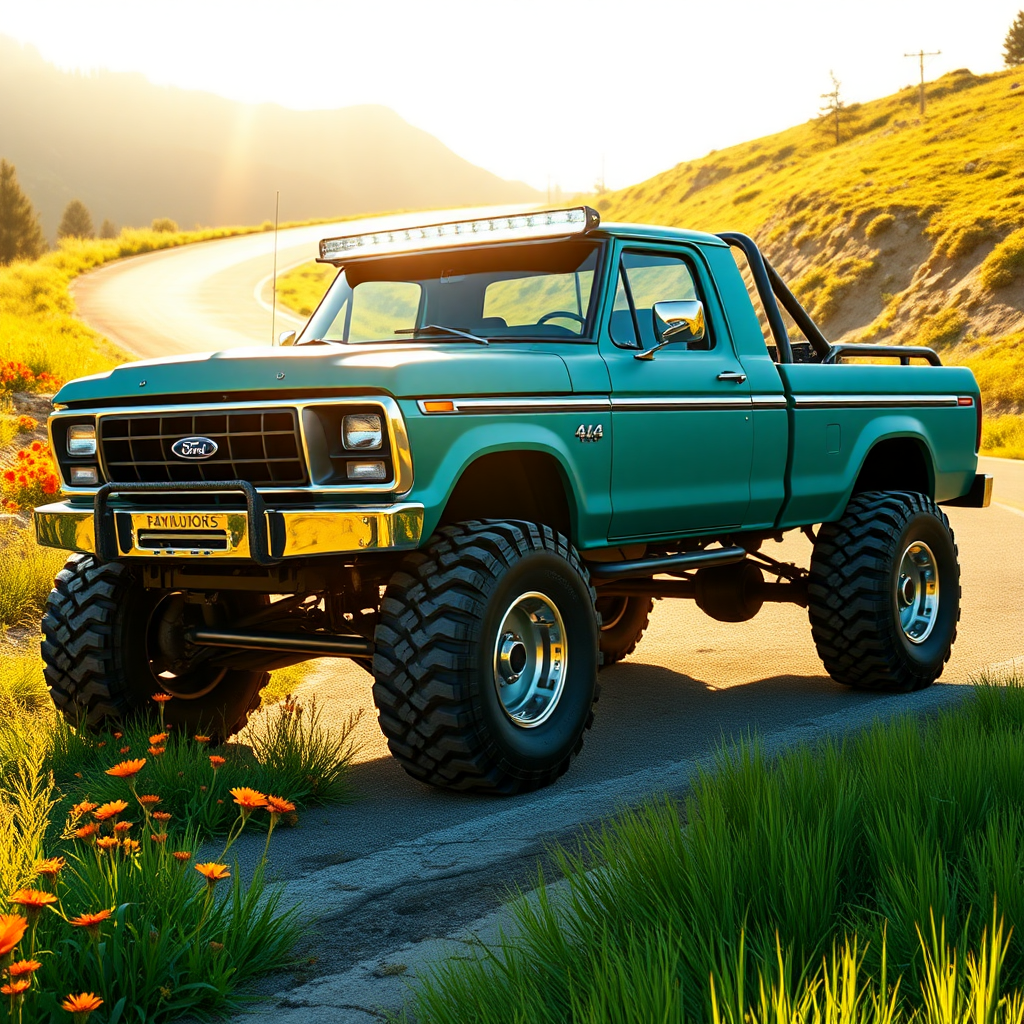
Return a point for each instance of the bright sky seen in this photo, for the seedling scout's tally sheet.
(539, 91)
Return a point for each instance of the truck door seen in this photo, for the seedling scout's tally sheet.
(682, 435)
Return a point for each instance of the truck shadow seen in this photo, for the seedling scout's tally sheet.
(647, 715)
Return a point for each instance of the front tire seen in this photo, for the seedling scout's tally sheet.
(106, 652)
(486, 658)
(884, 592)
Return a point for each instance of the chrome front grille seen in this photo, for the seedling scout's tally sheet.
(261, 446)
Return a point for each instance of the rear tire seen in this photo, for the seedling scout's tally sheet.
(884, 592)
(486, 658)
(623, 622)
(100, 626)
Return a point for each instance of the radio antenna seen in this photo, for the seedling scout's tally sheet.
(273, 298)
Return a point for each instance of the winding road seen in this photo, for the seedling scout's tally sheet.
(403, 867)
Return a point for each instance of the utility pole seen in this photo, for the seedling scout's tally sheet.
(921, 56)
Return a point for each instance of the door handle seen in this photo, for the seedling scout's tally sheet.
(737, 378)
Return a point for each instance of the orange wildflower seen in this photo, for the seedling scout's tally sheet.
(20, 967)
(148, 800)
(123, 826)
(161, 698)
(157, 751)
(101, 745)
(91, 921)
(213, 873)
(118, 735)
(182, 855)
(162, 816)
(125, 750)
(248, 799)
(199, 738)
(107, 842)
(130, 845)
(278, 805)
(127, 769)
(16, 988)
(159, 837)
(86, 830)
(110, 810)
(83, 808)
(12, 928)
(157, 738)
(50, 867)
(82, 1005)
(33, 900)
(216, 761)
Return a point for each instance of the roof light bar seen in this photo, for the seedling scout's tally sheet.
(548, 224)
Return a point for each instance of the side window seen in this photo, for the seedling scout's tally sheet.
(622, 330)
(651, 278)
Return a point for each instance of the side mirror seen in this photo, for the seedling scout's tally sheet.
(681, 320)
(287, 338)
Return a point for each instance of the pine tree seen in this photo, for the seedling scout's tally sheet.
(21, 237)
(108, 229)
(1013, 48)
(76, 222)
(833, 107)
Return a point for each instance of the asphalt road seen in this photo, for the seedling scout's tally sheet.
(405, 865)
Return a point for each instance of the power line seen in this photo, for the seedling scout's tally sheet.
(921, 56)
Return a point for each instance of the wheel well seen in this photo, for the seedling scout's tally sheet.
(512, 485)
(897, 464)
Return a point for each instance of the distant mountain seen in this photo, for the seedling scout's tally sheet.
(132, 151)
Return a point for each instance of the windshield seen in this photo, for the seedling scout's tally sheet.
(525, 292)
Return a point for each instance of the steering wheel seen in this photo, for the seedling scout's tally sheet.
(559, 313)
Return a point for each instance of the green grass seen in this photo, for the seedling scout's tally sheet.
(27, 572)
(170, 947)
(859, 842)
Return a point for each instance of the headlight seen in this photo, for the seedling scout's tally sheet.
(82, 439)
(361, 431)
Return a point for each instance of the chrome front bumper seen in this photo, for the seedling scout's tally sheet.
(185, 533)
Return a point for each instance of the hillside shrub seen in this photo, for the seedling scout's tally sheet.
(880, 224)
(1005, 263)
(164, 224)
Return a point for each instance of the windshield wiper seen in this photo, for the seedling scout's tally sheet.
(439, 329)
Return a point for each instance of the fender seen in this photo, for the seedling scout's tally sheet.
(446, 446)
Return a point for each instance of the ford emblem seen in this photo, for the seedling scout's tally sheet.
(194, 448)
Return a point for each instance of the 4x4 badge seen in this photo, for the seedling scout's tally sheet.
(590, 433)
(194, 448)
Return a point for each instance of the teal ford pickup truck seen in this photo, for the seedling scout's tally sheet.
(492, 446)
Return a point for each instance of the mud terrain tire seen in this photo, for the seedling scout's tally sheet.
(448, 642)
(95, 658)
(884, 592)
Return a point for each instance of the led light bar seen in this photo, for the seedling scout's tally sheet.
(548, 224)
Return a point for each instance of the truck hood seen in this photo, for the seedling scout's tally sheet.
(402, 370)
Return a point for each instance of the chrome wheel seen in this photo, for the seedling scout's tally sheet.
(917, 592)
(530, 658)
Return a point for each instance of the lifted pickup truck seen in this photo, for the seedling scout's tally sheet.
(493, 444)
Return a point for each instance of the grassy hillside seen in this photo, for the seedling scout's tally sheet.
(910, 230)
(132, 151)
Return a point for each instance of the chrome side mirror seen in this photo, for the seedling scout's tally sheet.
(287, 337)
(681, 320)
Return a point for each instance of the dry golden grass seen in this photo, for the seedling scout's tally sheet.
(909, 231)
